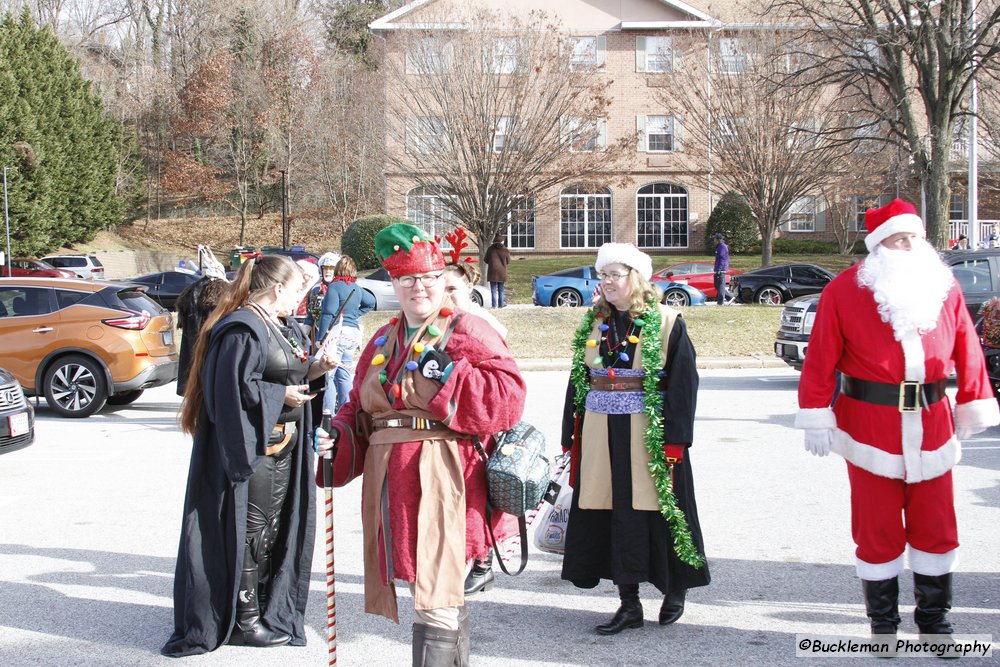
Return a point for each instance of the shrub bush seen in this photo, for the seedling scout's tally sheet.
(359, 239)
(732, 217)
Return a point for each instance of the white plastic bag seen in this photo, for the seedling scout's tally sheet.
(550, 530)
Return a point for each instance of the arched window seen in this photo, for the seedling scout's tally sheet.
(661, 211)
(426, 208)
(585, 217)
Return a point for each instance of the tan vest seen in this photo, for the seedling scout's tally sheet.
(595, 458)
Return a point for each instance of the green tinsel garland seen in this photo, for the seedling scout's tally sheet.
(653, 408)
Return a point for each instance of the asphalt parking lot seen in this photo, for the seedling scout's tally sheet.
(91, 511)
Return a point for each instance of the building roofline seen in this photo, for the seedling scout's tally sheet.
(387, 22)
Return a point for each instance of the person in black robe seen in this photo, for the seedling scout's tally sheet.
(248, 527)
(194, 305)
(626, 545)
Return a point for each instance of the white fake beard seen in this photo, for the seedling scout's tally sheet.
(909, 286)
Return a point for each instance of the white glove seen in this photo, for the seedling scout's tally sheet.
(818, 441)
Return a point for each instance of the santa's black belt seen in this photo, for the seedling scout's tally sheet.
(906, 396)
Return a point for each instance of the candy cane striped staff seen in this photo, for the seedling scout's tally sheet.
(331, 585)
(514, 544)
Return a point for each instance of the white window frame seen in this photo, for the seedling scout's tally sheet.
(586, 52)
(426, 208)
(589, 201)
(675, 202)
(523, 214)
(572, 128)
(425, 134)
(501, 56)
(501, 135)
(733, 58)
(728, 128)
(428, 55)
(805, 135)
(801, 215)
(653, 59)
(867, 138)
(667, 128)
(863, 203)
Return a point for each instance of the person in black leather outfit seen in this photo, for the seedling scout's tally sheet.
(246, 545)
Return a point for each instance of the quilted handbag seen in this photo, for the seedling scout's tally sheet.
(518, 472)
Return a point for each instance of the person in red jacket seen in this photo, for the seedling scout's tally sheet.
(895, 326)
(429, 382)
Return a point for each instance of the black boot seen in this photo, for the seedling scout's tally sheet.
(434, 647)
(250, 629)
(464, 637)
(629, 614)
(673, 606)
(882, 605)
(933, 597)
(481, 575)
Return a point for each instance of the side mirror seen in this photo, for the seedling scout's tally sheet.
(670, 274)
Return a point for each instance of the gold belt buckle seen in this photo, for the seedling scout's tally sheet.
(916, 397)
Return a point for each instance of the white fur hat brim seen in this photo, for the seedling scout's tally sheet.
(627, 254)
(904, 222)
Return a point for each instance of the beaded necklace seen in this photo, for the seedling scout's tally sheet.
(417, 348)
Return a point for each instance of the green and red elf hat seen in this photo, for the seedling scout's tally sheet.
(405, 249)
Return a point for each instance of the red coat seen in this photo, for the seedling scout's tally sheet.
(483, 395)
(849, 336)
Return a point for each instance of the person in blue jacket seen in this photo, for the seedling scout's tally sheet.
(344, 296)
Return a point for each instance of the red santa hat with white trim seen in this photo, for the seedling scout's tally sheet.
(895, 217)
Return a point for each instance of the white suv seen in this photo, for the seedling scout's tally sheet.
(84, 266)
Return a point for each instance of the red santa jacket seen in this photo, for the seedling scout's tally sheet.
(850, 336)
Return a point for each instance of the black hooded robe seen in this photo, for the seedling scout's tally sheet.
(240, 410)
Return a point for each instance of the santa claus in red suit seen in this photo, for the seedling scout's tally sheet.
(895, 326)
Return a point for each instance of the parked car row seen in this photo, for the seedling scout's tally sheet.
(574, 287)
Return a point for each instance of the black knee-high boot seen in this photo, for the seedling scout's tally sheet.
(434, 647)
(882, 606)
(629, 614)
(250, 629)
(933, 597)
(673, 606)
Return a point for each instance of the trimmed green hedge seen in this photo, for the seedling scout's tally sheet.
(359, 239)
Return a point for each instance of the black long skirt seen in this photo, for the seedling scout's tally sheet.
(631, 546)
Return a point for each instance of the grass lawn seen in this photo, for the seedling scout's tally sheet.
(545, 333)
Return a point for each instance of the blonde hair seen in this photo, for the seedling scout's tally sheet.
(256, 277)
(468, 271)
(346, 268)
(643, 292)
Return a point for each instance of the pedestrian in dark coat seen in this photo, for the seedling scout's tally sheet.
(628, 475)
(497, 258)
(194, 305)
(246, 544)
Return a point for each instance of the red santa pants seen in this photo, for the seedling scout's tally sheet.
(887, 514)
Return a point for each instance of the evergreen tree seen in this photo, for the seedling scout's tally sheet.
(734, 220)
(61, 150)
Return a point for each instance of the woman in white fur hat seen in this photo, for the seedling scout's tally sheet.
(633, 517)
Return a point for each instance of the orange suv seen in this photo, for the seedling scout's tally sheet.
(84, 343)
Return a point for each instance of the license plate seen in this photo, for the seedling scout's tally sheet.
(18, 424)
(168, 337)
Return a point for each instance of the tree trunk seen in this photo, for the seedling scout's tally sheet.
(938, 192)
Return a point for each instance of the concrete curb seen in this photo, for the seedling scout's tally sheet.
(558, 364)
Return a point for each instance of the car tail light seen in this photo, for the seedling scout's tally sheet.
(136, 321)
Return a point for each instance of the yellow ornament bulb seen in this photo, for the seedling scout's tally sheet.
(418, 347)
(591, 343)
(378, 359)
(633, 339)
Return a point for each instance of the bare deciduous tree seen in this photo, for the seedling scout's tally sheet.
(770, 142)
(491, 111)
(907, 63)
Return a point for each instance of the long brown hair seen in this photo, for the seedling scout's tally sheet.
(256, 277)
(643, 292)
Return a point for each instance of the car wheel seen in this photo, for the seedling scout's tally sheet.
(75, 386)
(769, 295)
(125, 397)
(676, 298)
(567, 297)
(477, 298)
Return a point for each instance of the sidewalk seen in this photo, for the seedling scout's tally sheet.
(563, 364)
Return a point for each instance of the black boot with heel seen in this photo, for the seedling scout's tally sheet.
(629, 614)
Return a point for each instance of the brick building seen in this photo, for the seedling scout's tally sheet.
(636, 46)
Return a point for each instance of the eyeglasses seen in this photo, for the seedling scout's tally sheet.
(613, 275)
(426, 280)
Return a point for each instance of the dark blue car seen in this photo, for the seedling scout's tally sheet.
(574, 287)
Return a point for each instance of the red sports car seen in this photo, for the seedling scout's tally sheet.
(33, 268)
(696, 274)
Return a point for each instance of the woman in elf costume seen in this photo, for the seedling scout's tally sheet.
(628, 423)
(428, 383)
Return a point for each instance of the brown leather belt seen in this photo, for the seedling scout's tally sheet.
(413, 423)
(906, 396)
(280, 437)
(601, 383)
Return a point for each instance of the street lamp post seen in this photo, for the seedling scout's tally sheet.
(6, 218)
